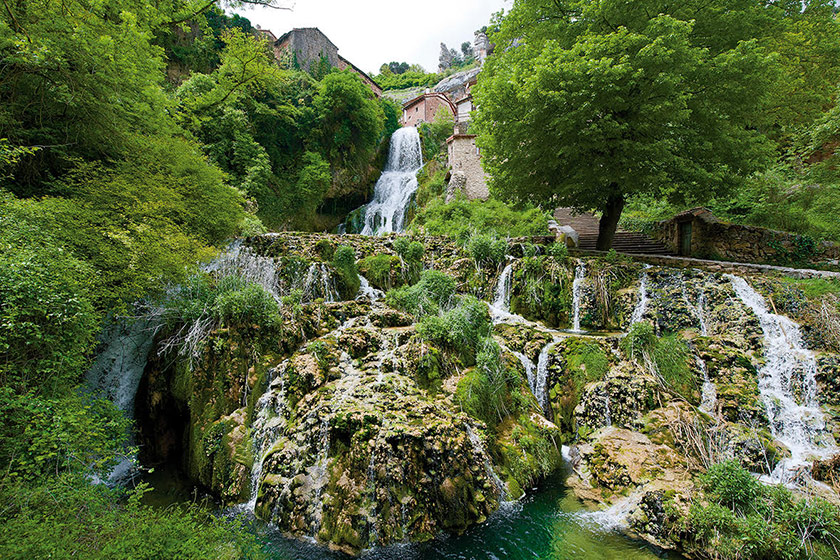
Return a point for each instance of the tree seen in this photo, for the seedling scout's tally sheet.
(588, 103)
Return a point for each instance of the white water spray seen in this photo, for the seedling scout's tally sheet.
(797, 422)
(319, 284)
(478, 447)
(397, 185)
(577, 293)
(368, 292)
(641, 306)
(541, 384)
(709, 393)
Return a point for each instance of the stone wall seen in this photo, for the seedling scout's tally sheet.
(712, 238)
(307, 46)
(467, 174)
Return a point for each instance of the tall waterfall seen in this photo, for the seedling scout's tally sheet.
(797, 422)
(542, 376)
(397, 185)
(117, 371)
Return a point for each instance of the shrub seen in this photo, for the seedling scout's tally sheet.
(732, 486)
(487, 250)
(244, 304)
(559, 251)
(379, 270)
(344, 261)
(461, 217)
(411, 254)
(459, 329)
(485, 392)
(433, 292)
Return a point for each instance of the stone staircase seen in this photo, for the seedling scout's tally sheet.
(625, 241)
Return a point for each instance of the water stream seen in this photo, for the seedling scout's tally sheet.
(396, 187)
(548, 524)
(577, 293)
(788, 387)
(641, 305)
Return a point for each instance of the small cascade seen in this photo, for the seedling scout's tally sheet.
(117, 371)
(269, 410)
(368, 292)
(607, 415)
(243, 262)
(318, 283)
(500, 308)
(709, 392)
(613, 519)
(396, 187)
(577, 293)
(529, 370)
(796, 421)
(478, 447)
(541, 383)
(642, 304)
(321, 474)
(701, 314)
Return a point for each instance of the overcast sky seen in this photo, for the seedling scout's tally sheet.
(369, 33)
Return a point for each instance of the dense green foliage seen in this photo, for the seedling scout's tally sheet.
(69, 518)
(745, 519)
(603, 101)
(461, 217)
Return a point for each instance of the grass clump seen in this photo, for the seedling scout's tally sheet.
(747, 520)
(668, 358)
(344, 261)
(434, 291)
(485, 391)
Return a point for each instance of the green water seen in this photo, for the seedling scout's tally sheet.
(543, 526)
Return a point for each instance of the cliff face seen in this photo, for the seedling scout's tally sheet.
(350, 424)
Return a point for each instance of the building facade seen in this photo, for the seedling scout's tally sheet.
(308, 46)
(426, 107)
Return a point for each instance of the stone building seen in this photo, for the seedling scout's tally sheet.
(308, 46)
(426, 107)
(467, 174)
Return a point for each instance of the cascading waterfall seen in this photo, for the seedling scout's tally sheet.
(368, 292)
(796, 422)
(641, 306)
(577, 293)
(319, 284)
(117, 371)
(502, 292)
(541, 383)
(701, 314)
(396, 187)
(478, 447)
(245, 263)
(709, 392)
(529, 370)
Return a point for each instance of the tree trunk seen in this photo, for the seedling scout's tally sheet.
(609, 221)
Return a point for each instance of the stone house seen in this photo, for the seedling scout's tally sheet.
(425, 108)
(699, 233)
(467, 174)
(308, 46)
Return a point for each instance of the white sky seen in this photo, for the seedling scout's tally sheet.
(370, 33)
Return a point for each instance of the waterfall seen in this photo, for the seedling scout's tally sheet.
(368, 292)
(396, 187)
(709, 394)
(117, 371)
(319, 284)
(500, 308)
(641, 306)
(701, 314)
(478, 447)
(796, 422)
(529, 370)
(243, 262)
(322, 474)
(577, 292)
(541, 388)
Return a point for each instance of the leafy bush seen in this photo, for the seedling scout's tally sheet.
(558, 251)
(459, 329)
(433, 292)
(242, 304)
(487, 250)
(747, 520)
(379, 270)
(433, 135)
(67, 517)
(344, 261)
(461, 217)
(47, 320)
(411, 254)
